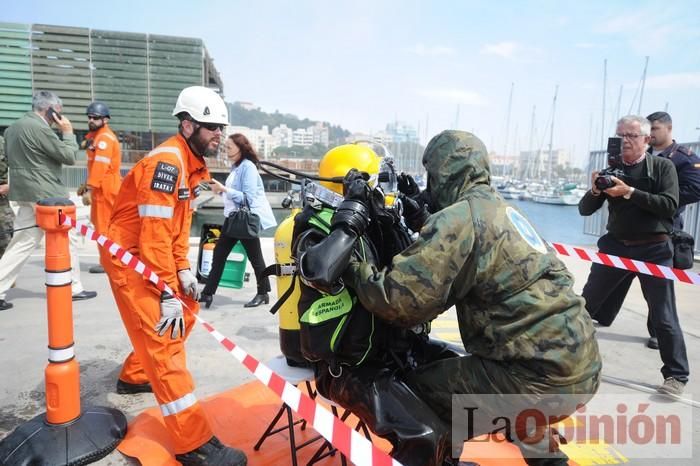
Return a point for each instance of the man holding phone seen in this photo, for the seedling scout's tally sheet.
(35, 157)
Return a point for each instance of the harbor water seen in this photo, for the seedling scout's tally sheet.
(556, 223)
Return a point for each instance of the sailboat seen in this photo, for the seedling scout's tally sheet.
(551, 193)
(566, 194)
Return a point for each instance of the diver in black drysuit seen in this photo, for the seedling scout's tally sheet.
(358, 359)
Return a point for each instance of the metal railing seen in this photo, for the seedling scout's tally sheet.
(596, 223)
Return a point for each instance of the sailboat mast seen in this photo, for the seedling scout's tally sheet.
(551, 134)
(505, 143)
(602, 120)
(530, 160)
(617, 115)
(644, 78)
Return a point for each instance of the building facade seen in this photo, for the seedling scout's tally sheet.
(139, 76)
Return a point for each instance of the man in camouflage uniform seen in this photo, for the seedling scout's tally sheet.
(7, 216)
(527, 331)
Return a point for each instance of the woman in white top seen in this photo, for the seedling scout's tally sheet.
(243, 185)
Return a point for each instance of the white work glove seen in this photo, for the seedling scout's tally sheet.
(188, 283)
(170, 316)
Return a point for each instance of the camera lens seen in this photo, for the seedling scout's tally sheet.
(604, 182)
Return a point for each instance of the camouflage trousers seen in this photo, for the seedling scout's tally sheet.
(7, 220)
(498, 390)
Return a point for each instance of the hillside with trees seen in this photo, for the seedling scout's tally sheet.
(256, 119)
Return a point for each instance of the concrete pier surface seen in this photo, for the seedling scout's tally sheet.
(630, 368)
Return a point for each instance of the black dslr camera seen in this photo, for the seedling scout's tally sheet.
(604, 179)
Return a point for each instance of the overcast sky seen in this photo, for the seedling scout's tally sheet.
(437, 64)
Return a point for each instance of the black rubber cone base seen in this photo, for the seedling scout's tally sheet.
(89, 438)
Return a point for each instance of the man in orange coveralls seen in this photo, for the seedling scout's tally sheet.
(104, 158)
(151, 219)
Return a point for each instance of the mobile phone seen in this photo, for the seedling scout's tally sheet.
(50, 114)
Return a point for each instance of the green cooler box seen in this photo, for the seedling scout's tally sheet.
(234, 270)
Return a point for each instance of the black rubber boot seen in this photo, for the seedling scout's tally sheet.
(126, 388)
(213, 453)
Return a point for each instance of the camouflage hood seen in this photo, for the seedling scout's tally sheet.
(456, 161)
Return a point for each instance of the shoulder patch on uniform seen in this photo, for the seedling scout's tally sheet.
(165, 178)
(102, 145)
(526, 231)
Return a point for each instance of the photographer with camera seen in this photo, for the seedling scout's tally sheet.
(642, 195)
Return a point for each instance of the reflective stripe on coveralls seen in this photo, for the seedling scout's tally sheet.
(174, 407)
(159, 211)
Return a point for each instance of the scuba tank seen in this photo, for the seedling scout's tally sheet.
(205, 256)
(288, 312)
(207, 259)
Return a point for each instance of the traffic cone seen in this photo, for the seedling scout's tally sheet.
(64, 434)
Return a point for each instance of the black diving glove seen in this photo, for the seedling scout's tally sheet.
(355, 186)
(414, 213)
(352, 214)
(407, 185)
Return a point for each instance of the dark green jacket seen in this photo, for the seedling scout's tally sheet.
(3, 162)
(35, 156)
(513, 297)
(651, 207)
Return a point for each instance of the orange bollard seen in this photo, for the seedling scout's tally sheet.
(65, 435)
(62, 372)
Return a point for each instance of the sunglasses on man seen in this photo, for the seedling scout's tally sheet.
(210, 126)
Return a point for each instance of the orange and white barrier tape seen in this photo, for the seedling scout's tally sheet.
(647, 268)
(122, 254)
(352, 444)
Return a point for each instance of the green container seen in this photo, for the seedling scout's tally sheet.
(234, 270)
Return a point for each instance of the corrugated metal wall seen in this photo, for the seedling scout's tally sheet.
(15, 72)
(120, 77)
(61, 63)
(172, 62)
(595, 224)
(138, 75)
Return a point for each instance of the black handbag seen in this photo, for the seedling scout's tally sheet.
(242, 223)
(683, 244)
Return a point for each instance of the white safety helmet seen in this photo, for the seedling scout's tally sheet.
(202, 104)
